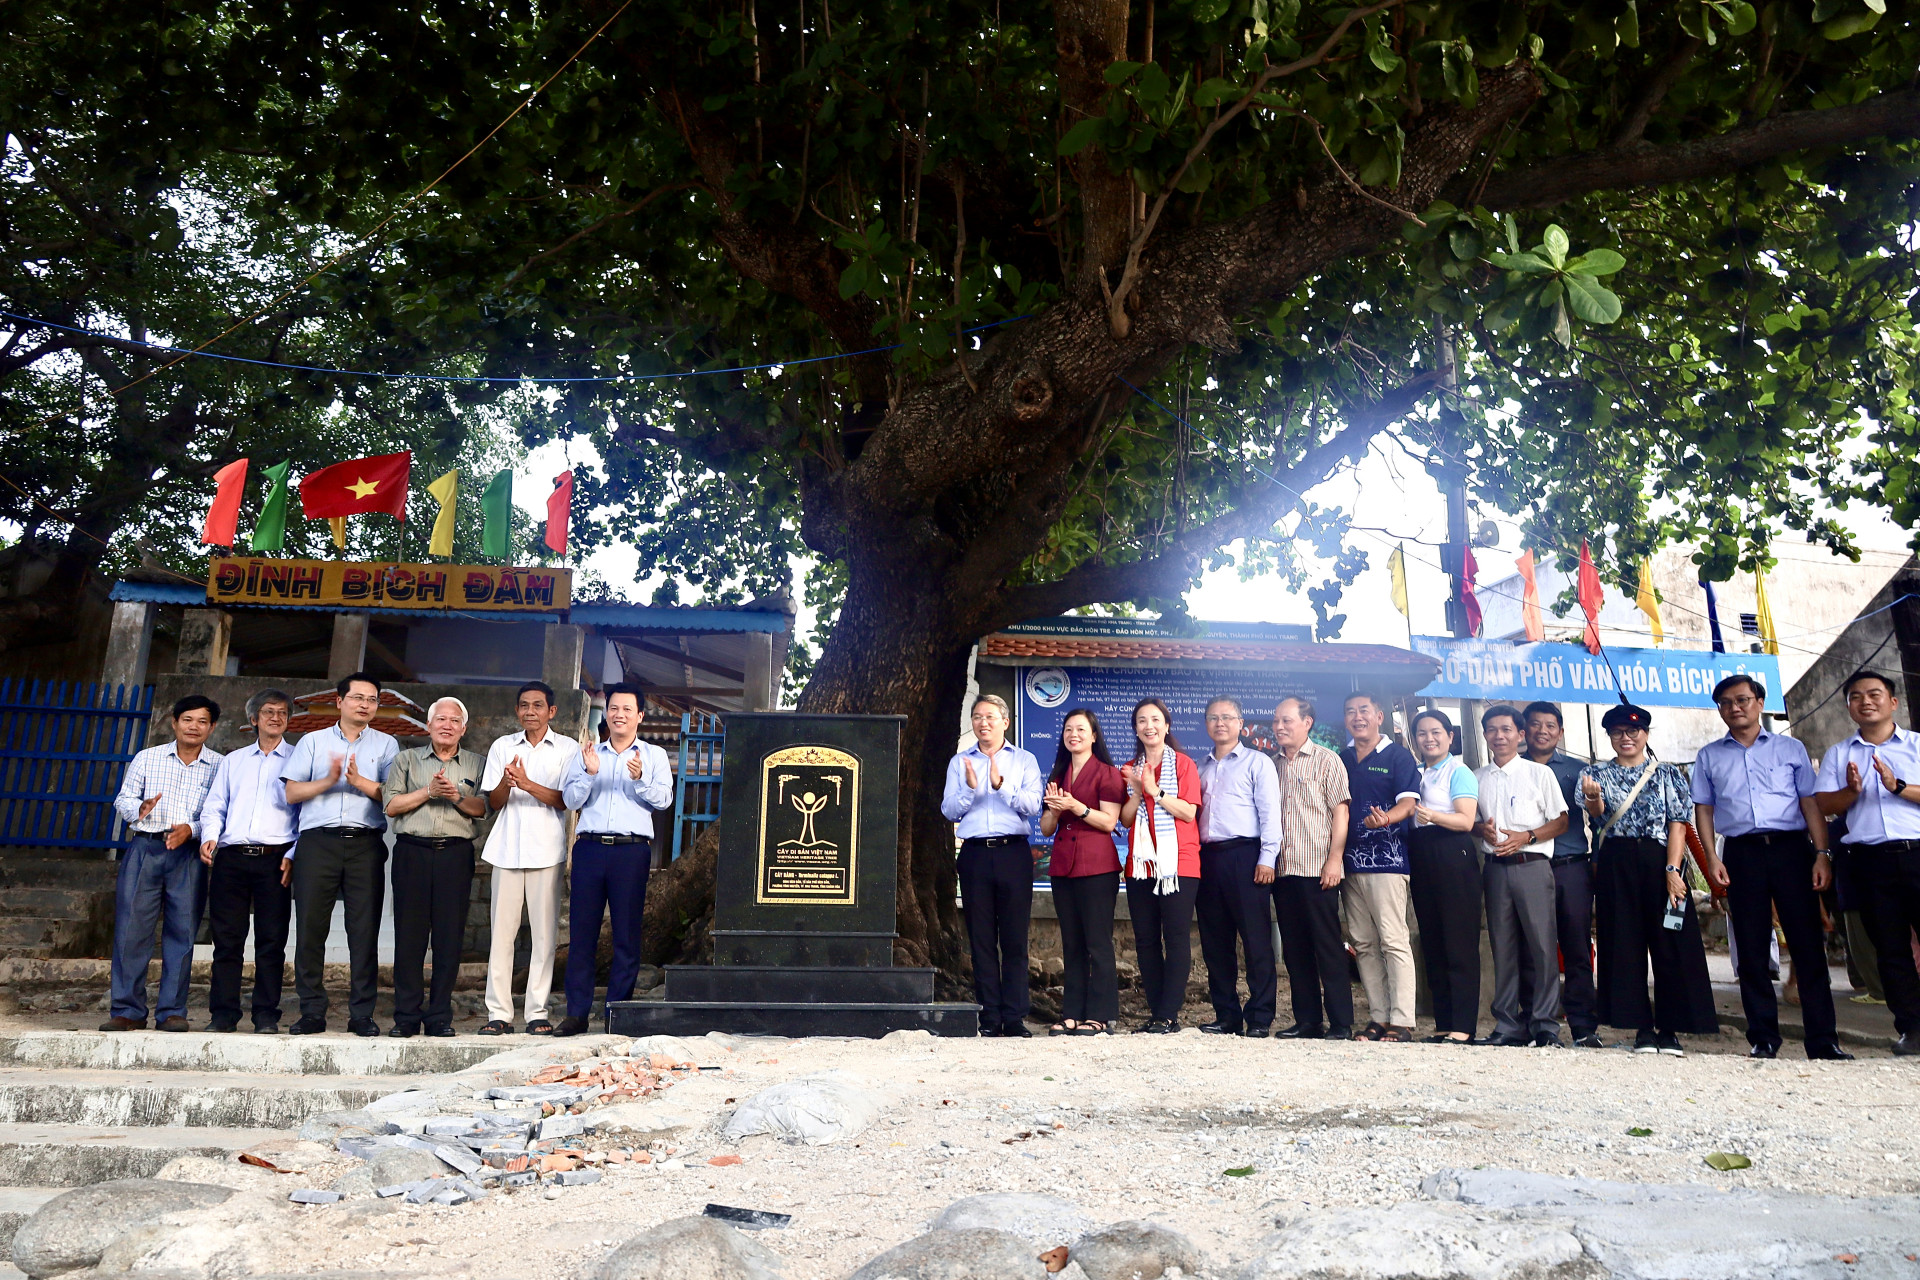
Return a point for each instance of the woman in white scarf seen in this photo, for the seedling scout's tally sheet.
(1163, 861)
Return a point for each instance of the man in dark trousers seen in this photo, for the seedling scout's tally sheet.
(247, 830)
(334, 775)
(1572, 881)
(1240, 827)
(434, 800)
(616, 787)
(1755, 788)
(1314, 803)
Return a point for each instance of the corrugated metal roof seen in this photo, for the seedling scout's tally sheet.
(1042, 648)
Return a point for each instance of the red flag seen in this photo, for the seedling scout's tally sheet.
(560, 511)
(1469, 603)
(1590, 597)
(223, 517)
(1530, 599)
(357, 487)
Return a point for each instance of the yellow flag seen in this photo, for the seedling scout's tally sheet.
(1769, 638)
(1397, 566)
(1650, 603)
(445, 491)
(339, 525)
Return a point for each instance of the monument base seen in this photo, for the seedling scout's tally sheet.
(767, 1018)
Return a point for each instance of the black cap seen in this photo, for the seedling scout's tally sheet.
(1626, 716)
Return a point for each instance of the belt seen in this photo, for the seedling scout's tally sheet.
(1221, 844)
(255, 850)
(993, 842)
(342, 833)
(1524, 856)
(434, 842)
(604, 837)
(1885, 846)
(1771, 837)
(1571, 858)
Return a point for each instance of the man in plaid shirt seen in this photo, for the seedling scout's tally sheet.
(161, 877)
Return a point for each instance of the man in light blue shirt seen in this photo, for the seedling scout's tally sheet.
(1755, 788)
(334, 775)
(616, 786)
(247, 829)
(1874, 778)
(1239, 840)
(993, 791)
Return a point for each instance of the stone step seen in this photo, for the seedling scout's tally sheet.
(71, 873)
(59, 902)
(189, 1099)
(51, 936)
(59, 1155)
(40, 971)
(335, 1054)
(17, 1204)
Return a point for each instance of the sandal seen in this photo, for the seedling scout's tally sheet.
(496, 1028)
(1090, 1029)
(1398, 1035)
(1373, 1031)
(1066, 1028)
(540, 1028)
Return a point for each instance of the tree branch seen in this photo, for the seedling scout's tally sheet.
(1654, 92)
(1541, 186)
(594, 226)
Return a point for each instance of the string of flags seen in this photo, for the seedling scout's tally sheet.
(375, 485)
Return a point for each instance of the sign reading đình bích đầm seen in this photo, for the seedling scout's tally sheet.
(388, 585)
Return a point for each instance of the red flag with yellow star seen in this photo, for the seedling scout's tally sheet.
(358, 486)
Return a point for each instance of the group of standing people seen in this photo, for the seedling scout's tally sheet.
(1551, 852)
(270, 836)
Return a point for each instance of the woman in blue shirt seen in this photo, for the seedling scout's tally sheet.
(1446, 880)
(1639, 872)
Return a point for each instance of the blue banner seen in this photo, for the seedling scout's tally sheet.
(1505, 671)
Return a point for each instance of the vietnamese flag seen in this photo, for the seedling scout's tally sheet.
(223, 517)
(560, 511)
(358, 487)
(1588, 589)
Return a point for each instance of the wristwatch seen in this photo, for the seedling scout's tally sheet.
(1675, 871)
(1085, 810)
(1899, 786)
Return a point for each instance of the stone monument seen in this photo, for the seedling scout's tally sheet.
(804, 893)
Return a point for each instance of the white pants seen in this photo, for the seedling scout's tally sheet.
(536, 892)
(1375, 905)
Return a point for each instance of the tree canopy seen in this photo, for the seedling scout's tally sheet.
(1125, 278)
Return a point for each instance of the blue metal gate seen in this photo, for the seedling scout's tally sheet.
(696, 787)
(63, 750)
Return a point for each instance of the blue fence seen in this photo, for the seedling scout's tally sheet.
(63, 750)
(696, 788)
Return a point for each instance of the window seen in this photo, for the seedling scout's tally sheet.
(1750, 623)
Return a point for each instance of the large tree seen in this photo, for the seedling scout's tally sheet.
(1128, 279)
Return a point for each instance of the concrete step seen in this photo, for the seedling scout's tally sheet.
(59, 902)
(39, 971)
(17, 1204)
(72, 873)
(60, 1155)
(52, 936)
(191, 1099)
(323, 1055)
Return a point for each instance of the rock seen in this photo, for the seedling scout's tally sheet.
(973, 1254)
(692, 1248)
(1136, 1251)
(402, 1164)
(414, 1101)
(72, 1230)
(326, 1126)
(214, 1172)
(648, 977)
(1042, 1221)
(354, 1182)
(673, 1046)
(817, 1109)
(1414, 1240)
(646, 1118)
(913, 1035)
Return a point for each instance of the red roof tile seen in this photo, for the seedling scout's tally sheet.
(1043, 647)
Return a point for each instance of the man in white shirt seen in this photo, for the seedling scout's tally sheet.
(527, 850)
(1521, 810)
(247, 829)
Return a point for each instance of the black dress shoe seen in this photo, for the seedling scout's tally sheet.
(1547, 1040)
(1159, 1027)
(403, 1030)
(1765, 1051)
(1016, 1031)
(1500, 1039)
(1827, 1053)
(266, 1028)
(363, 1026)
(1218, 1028)
(1588, 1040)
(1257, 1033)
(1299, 1032)
(1338, 1033)
(987, 1031)
(442, 1032)
(308, 1027)
(223, 1026)
(1907, 1046)
(570, 1027)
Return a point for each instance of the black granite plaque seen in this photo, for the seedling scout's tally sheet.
(805, 891)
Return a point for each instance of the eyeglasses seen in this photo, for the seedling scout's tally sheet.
(1223, 719)
(359, 697)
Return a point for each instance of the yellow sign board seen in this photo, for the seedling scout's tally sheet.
(388, 585)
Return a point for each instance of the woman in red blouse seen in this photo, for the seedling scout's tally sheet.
(1082, 806)
(1163, 806)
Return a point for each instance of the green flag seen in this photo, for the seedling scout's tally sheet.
(270, 527)
(496, 508)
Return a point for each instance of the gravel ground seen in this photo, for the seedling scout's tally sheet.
(1150, 1126)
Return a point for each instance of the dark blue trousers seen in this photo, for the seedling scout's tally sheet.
(156, 886)
(609, 878)
(996, 886)
(1231, 906)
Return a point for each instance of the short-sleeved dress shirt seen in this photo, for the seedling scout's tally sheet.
(436, 819)
(1078, 849)
(1312, 785)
